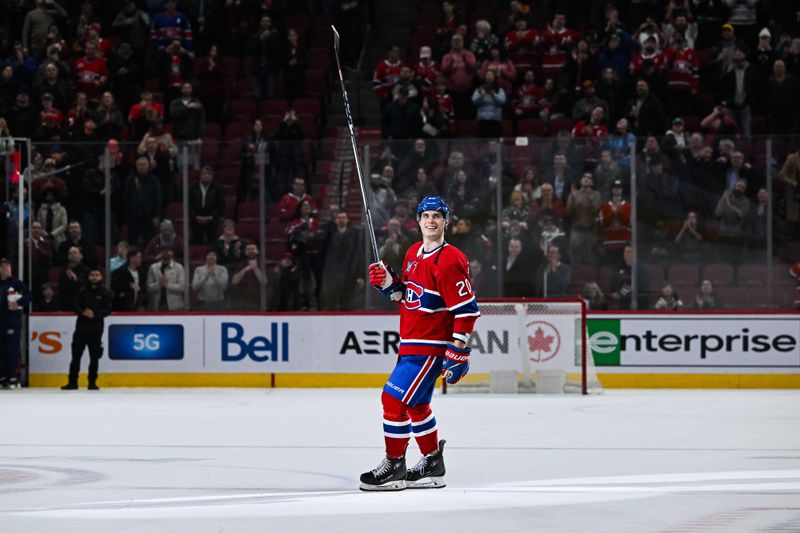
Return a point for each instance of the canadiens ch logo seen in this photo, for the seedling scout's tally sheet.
(414, 294)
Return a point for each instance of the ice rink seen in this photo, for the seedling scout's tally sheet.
(221, 460)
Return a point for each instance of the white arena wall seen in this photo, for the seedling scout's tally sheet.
(686, 350)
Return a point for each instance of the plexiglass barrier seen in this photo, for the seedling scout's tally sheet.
(673, 222)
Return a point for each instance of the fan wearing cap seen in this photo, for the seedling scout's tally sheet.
(582, 110)
(426, 72)
(438, 310)
(14, 298)
(650, 52)
(51, 117)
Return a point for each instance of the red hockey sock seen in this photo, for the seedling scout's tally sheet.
(423, 424)
(396, 426)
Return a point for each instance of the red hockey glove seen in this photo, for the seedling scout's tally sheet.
(383, 278)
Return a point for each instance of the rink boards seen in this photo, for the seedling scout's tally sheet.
(352, 350)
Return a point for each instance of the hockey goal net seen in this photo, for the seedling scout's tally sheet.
(530, 346)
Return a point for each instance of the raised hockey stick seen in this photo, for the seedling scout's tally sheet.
(361, 183)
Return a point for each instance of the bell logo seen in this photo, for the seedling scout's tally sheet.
(49, 342)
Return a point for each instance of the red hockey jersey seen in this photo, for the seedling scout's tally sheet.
(616, 224)
(528, 99)
(425, 76)
(91, 76)
(584, 128)
(521, 42)
(555, 47)
(640, 57)
(438, 299)
(447, 109)
(683, 69)
(385, 76)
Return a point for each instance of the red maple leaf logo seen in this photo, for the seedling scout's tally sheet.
(540, 342)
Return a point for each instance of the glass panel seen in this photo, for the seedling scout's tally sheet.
(537, 217)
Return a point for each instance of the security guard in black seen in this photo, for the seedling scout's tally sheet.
(92, 304)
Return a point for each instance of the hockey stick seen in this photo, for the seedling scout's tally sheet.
(364, 203)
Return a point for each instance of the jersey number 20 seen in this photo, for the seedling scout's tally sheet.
(464, 288)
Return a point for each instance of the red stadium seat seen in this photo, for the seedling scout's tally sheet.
(276, 230)
(720, 274)
(319, 58)
(316, 83)
(583, 274)
(174, 211)
(197, 252)
(752, 274)
(684, 274)
(227, 176)
(213, 130)
(248, 211)
(299, 22)
(230, 66)
(236, 130)
(534, 127)
(247, 231)
(243, 109)
(733, 297)
(309, 106)
(272, 107)
(561, 123)
(466, 128)
(275, 248)
(656, 274)
(321, 34)
(209, 153)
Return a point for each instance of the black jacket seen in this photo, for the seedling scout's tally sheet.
(88, 252)
(728, 87)
(67, 289)
(124, 298)
(401, 121)
(215, 201)
(143, 199)
(651, 117)
(98, 299)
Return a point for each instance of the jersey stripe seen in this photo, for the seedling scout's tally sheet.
(465, 302)
(417, 380)
(422, 342)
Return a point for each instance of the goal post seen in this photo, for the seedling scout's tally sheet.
(530, 345)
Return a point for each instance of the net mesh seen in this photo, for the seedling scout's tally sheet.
(523, 346)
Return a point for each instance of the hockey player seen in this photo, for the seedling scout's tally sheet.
(437, 312)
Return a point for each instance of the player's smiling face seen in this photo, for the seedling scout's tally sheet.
(432, 224)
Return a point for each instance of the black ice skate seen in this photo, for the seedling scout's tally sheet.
(429, 472)
(389, 475)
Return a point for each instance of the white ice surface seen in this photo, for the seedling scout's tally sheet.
(220, 460)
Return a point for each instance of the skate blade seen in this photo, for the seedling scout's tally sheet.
(386, 487)
(427, 483)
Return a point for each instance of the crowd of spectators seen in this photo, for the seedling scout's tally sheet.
(690, 83)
